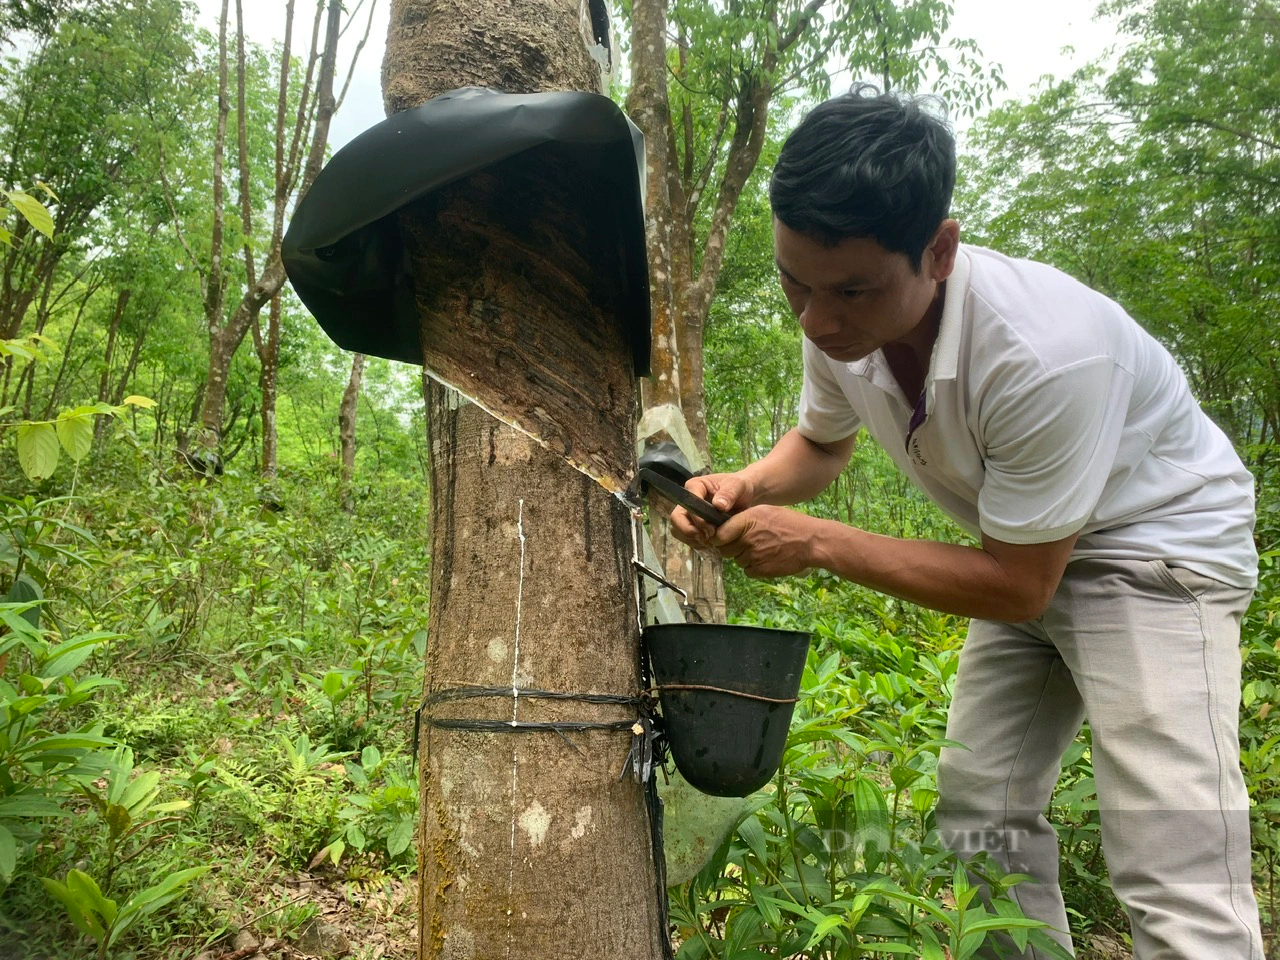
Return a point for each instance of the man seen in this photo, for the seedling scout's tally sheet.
(1115, 522)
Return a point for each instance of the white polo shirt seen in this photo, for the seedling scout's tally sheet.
(1047, 411)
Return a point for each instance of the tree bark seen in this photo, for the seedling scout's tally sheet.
(268, 382)
(347, 431)
(104, 382)
(529, 846)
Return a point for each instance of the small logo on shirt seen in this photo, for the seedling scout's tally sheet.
(916, 455)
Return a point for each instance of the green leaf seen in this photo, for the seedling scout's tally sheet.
(85, 922)
(332, 684)
(37, 450)
(753, 835)
(169, 806)
(8, 854)
(117, 819)
(370, 757)
(401, 836)
(768, 907)
(24, 805)
(85, 889)
(823, 927)
(61, 742)
(140, 792)
(69, 654)
(75, 432)
(152, 899)
(336, 850)
(33, 210)
(133, 400)
(1002, 923)
(930, 949)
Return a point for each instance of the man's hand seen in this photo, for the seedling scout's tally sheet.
(769, 541)
(729, 492)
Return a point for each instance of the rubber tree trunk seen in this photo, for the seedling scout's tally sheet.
(530, 844)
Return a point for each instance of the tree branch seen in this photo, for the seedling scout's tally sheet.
(346, 84)
(751, 123)
(713, 155)
(242, 144)
(806, 16)
(214, 286)
(302, 123)
(282, 110)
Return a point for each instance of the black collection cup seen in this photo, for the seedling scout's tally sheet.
(727, 693)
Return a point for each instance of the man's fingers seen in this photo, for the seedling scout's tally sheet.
(683, 526)
(690, 529)
(722, 490)
(699, 486)
(731, 530)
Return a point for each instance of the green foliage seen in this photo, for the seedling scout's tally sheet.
(35, 213)
(1156, 183)
(38, 441)
(100, 918)
(235, 750)
(380, 818)
(43, 753)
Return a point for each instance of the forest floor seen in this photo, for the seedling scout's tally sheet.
(377, 920)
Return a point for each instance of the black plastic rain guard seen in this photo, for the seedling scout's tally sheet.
(727, 695)
(343, 250)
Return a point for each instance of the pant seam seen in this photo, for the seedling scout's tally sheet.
(1233, 840)
(1004, 826)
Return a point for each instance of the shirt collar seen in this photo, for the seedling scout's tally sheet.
(945, 360)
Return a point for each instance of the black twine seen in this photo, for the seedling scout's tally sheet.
(560, 727)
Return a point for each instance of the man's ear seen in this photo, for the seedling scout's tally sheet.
(942, 249)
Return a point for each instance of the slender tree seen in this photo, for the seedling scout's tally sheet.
(347, 431)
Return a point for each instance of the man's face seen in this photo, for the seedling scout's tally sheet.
(855, 297)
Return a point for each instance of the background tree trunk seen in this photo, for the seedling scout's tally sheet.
(268, 382)
(528, 846)
(104, 382)
(347, 431)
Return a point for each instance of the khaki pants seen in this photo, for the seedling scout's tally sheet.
(1150, 654)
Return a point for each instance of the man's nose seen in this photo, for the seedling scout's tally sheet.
(819, 318)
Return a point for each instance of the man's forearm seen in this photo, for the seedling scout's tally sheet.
(965, 581)
(796, 469)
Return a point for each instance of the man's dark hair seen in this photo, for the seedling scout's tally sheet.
(867, 164)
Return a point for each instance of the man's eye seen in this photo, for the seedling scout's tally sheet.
(852, 293)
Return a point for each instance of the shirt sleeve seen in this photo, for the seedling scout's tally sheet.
(825, 412)
(1050, 445)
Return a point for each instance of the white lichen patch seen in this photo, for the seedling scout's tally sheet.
(459, 944)
(498, 650)
(581, 820)
(535, 822)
